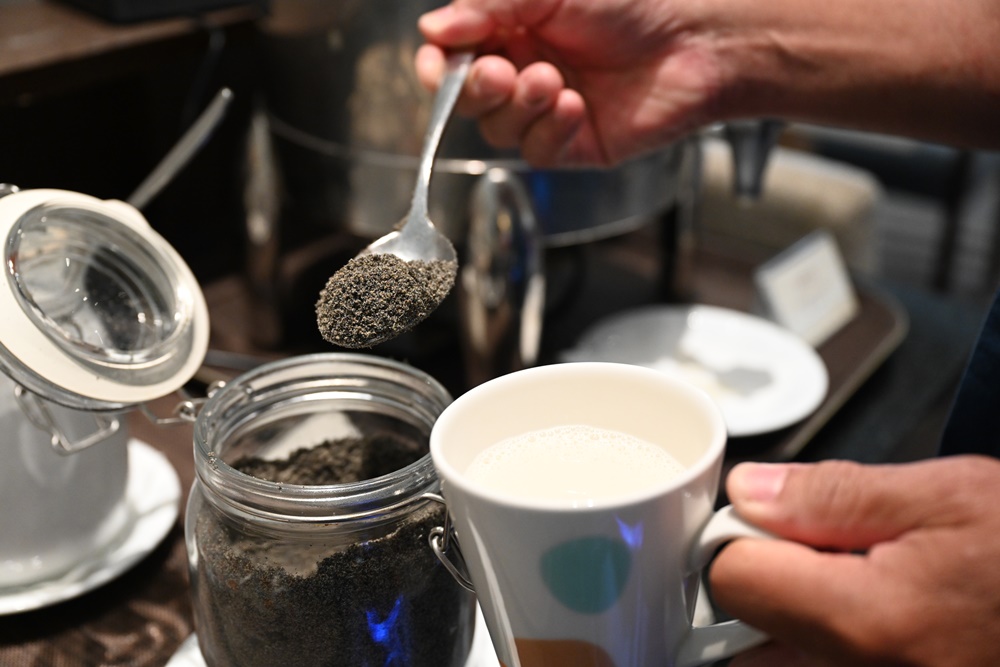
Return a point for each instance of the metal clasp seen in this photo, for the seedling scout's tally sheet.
(36, 409)
(442, 539)
(185, 412)
(38, 413)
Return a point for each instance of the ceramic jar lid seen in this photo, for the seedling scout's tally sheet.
(98, 311)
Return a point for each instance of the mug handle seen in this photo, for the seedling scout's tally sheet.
(708, 643)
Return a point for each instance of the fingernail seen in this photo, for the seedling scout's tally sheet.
(756, 482)
(478, 85)
(436, 19)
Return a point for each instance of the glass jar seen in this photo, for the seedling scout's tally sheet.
(322, 574)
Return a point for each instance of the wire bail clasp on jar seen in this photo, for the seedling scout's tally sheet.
(185, 412)
(442, 540)
(38, 413)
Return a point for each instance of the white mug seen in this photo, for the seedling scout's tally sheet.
(612, 581)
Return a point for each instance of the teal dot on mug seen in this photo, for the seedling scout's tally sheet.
(587, 575)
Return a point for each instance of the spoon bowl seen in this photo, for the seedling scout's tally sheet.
(414, 241)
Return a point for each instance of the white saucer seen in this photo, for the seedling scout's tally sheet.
(762, 376)
(481, 653)
(153, 494)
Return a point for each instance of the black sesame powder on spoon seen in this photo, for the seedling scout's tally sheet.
(376, 297)
(403, 276)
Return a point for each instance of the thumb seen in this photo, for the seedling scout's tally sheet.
(839, 504)
(464, 23)
(457, 26)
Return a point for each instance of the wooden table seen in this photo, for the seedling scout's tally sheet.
(48, 48)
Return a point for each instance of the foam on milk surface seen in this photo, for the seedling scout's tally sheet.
(576, 463)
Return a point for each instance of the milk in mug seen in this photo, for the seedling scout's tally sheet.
(576, 463)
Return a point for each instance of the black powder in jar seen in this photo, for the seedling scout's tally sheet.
(370, 596)
(375, 297)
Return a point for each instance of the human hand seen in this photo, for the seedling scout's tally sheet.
(901, 567)
(573, 81)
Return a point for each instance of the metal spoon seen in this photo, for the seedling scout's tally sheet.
(417, 238)
(400, 278)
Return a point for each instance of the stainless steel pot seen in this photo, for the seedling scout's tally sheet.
(348, 114)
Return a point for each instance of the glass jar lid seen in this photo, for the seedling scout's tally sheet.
(99, 311)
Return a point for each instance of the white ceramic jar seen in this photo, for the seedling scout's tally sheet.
(99, 314)
(54, 507)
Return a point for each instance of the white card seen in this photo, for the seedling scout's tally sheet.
(806, 288)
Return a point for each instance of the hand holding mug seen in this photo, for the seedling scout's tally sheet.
(902, 569)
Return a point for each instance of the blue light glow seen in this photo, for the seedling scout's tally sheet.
(631, 535)
(388, 632)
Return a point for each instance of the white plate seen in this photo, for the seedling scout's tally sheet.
(481, 653)
(153, 494)
(761, 376)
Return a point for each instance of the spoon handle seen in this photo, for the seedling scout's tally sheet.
(456, 70)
